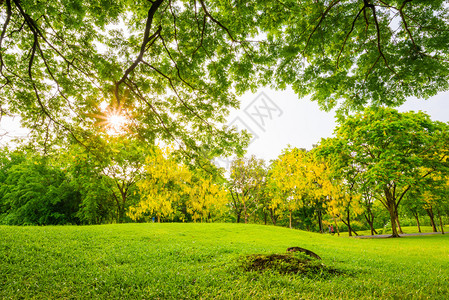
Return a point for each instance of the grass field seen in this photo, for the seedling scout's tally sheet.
(203, 261)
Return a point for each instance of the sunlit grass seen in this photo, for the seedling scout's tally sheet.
(185, 261)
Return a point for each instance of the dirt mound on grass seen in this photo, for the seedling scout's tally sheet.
(290, 263)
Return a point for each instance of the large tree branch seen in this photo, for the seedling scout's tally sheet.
(146, 43)
(31, 24)
(323, 15)
(347, 36)
(379, 43)
(2, 35)
(170, 81)
(216, 21)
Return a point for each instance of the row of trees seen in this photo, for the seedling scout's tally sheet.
(377, 158)
(123, 181)
(380, 164)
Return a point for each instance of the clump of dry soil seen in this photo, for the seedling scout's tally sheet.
(290, 263)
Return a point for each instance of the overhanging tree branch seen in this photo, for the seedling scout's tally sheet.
(146, 44)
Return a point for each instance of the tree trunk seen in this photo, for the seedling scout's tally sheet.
(290, 219)
(350, 230)
(397, 219)
(441, 222)
(399, 225)
(417, 221)
(273, 216)
(369, 217)
(320, 221)
(390, 205)
(336, 226)
(245, 213)
(432, 221)
(349, 222)
(371, 227)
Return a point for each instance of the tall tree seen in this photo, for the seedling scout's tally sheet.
(167, 185)
(345, 198)
(299, 178)
(246, 184)
(391, 150)
(171, 66)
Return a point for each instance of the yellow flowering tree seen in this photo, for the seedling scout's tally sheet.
(298, 176)
(168, 185)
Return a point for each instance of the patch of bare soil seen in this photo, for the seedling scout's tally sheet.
(290, 263)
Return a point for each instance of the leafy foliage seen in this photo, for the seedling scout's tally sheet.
(299, 179)
(393, 152)
(175, 67)
(246, 184)
(35, 193)
(168, 185)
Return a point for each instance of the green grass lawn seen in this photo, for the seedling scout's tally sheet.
(203, 261)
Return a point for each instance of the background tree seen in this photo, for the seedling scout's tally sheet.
(434, 194)
(391, 148)
(206, 198)
(299, 178)
(169, 189)
(246, 186)
(414, 205)
(369, 207)
(35, 192)
(345, 199)
(84, 168)
(162, 188)
(122, 162)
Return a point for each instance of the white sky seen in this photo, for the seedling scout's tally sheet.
(301, 123)
(293, 121)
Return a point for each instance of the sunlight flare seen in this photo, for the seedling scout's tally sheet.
(114, 120)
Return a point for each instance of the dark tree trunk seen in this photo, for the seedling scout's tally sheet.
(369, 217)
(320, 221)
(348, 219)
(397, 219)
(391, 207)
(273, 216)
(432, 220)
(441, 222)
(290, 219)
(399, 225)
(245, 214)
(348, 224)
(415, 214)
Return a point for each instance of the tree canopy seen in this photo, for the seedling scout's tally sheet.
(174, 67)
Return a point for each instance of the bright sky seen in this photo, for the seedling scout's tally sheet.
(278, 119)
